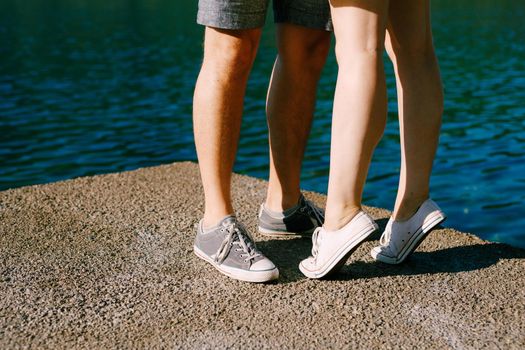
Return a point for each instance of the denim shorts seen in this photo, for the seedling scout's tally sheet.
(248, 14)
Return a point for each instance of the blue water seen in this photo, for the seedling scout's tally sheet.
(97, 87)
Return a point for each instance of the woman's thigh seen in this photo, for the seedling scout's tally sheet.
(409, 27)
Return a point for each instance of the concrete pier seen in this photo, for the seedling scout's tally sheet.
(107, 262)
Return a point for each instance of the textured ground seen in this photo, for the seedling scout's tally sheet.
(106, 261)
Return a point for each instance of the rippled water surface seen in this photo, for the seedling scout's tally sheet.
(90, 87)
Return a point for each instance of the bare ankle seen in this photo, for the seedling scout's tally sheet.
(282, 202)
(213, 219)
(408, 208)
(335, 221)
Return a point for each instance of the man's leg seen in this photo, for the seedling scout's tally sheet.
(217, 111)
(229, 53)
(290, 106)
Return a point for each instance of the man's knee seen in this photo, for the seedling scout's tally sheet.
(231, 52)
(306, 51)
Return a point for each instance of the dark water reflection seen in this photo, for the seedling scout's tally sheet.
(96, 87)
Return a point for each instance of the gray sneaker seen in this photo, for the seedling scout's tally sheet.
(301, 220)
(231, 250)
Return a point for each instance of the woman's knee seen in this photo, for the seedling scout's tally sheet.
(348, 54)
(417, 49)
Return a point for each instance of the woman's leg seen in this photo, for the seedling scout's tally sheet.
(420, 99)
(358, 123)
(359, 114)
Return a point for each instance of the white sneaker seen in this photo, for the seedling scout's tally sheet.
(400, 239)
(331, 249)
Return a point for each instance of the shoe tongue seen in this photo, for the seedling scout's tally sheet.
(302, 199)
(300, 204)
(228, 220)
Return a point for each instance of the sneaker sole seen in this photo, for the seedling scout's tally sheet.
(416, 240)
(338, 260)
(238, 274)
(284, 234)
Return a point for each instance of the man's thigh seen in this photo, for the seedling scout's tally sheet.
(313, 14)
(232, 14)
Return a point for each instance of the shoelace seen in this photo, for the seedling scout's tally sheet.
(312, 209)
(385, 237)
(315, 242)
(244, 241)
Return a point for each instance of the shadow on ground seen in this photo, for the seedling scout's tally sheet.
(287, 253)
(450, 260)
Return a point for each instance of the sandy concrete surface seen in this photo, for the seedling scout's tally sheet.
(107, 262)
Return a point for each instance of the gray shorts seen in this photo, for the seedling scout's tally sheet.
(247, 14)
